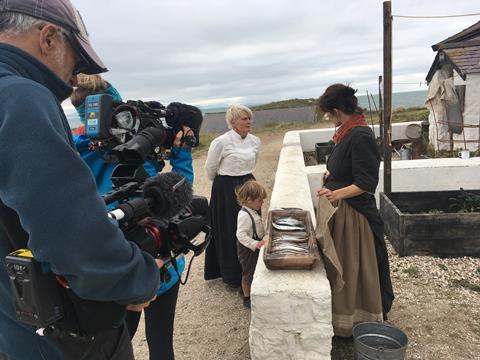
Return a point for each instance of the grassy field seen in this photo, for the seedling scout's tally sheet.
(401, 115)
(285, 104)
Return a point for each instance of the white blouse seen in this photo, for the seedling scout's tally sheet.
(231, 155)
(245, 228)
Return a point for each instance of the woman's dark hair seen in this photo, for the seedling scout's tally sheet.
(341, 97)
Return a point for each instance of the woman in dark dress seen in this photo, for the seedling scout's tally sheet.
(356, 226)
(230, 162)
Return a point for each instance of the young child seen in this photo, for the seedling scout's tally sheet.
(250, 232)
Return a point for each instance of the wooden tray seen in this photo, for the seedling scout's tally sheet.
(294, 262)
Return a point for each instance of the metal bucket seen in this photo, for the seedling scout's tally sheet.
(379, 341)
(413, 131)
(404, 153)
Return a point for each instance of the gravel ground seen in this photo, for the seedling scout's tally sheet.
(437, 299)
(437, 305)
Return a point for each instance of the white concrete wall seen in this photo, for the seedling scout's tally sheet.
(309, 138)
(417, 175)
(291, 309)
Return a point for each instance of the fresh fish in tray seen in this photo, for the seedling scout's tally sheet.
(288, 221)
(286, 252)
(287, 227)
(298, 234)
(288, 237)
(289, 247)
(289, 251)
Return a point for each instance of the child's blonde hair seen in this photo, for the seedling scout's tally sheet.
(250, 190)
(87, 85)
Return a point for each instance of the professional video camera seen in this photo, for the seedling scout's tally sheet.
(161, 215)
(158, 213)
(136, 130)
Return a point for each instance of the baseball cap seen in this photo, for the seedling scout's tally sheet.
(64, 14)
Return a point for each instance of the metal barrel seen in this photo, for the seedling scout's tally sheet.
(379, 341)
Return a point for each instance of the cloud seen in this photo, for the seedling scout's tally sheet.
(222, 51)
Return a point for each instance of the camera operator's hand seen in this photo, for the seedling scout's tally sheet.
(186, 131)
(140, 307)
(160, 263)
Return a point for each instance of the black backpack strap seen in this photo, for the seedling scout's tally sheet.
(254, 228)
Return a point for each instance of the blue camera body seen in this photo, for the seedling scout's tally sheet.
(98, 111)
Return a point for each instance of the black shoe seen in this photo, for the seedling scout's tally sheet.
(246, 302)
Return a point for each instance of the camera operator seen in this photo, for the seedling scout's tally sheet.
(160, 315)
(48, 198)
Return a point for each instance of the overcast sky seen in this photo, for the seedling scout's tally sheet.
(217, 52)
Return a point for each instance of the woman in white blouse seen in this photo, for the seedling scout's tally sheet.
(230, 162)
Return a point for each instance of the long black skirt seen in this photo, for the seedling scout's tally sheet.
(221, 258)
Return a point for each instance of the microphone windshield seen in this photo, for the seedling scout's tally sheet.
(167, 193)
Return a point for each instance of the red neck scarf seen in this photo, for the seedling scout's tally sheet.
(344, 129)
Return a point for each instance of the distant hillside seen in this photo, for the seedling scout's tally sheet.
(285, 104)
(408, 99)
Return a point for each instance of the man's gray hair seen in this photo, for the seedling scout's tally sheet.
(12, 23)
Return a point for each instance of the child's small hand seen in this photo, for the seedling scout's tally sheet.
(261, 243)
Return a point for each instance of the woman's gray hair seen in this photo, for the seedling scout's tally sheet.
(234, 112)
(13, 23)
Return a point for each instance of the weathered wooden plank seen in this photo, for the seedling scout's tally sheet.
(391, 217)
(438, 234)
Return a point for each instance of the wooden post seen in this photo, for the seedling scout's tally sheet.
(380, 112)
(371, 116)
(387, 97)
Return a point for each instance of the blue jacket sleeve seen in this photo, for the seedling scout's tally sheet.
(174, 276)
(181, 161)
(153, 168)
(45, 181)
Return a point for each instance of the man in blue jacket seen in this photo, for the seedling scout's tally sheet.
(48, 197)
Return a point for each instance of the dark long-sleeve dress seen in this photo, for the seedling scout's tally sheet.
(355, 160)
(231, 159)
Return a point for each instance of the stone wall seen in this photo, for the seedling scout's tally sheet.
(215, 123)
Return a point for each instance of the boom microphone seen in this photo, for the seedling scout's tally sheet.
(167, 193)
